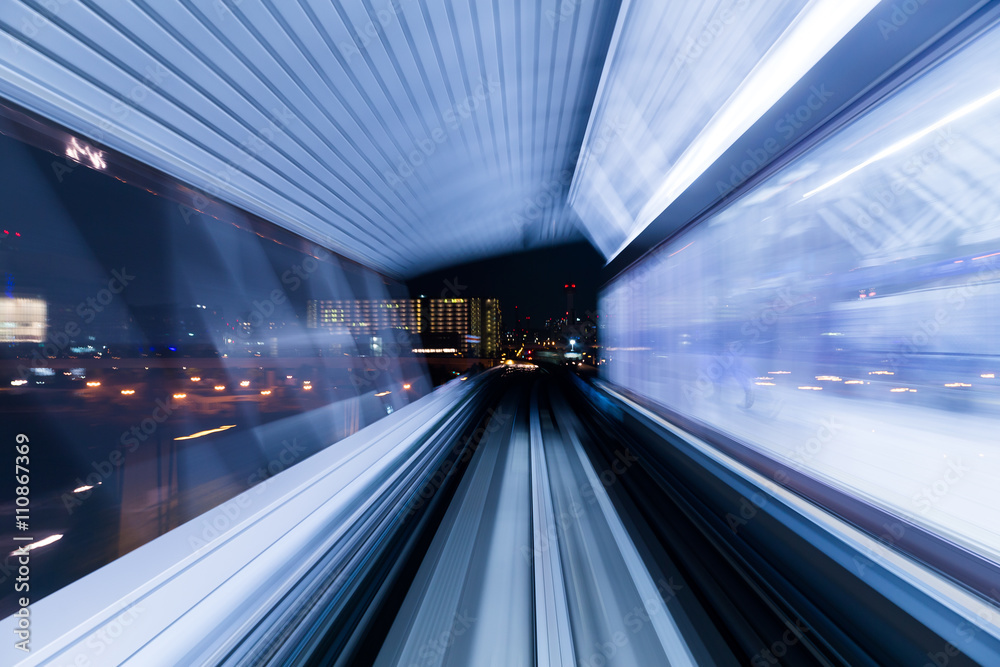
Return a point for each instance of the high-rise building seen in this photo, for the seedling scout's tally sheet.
(365, 316)
(467, 326)
(491, 328)
(23, 319)
(570, 290)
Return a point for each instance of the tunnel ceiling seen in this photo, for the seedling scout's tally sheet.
(404, 134)
(415, 134)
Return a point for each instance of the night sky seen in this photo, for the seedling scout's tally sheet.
(78, 224)
(533, 281)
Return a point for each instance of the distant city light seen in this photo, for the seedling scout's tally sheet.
(180, 396)
(244, 383)
(265, 392)
(93, 383)
(220, 387)
(406, 386)
(196, 379)
(128, 392)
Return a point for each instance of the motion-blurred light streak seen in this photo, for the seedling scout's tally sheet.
(732, 64)
(210, 431)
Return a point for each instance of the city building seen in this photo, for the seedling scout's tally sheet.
(466, 326)
(365, 316)
(570, 291)
(23, 319)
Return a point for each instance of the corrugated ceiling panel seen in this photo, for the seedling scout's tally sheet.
(406, 135)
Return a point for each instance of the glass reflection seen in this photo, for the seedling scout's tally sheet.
(161, 360)
(842, 315)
